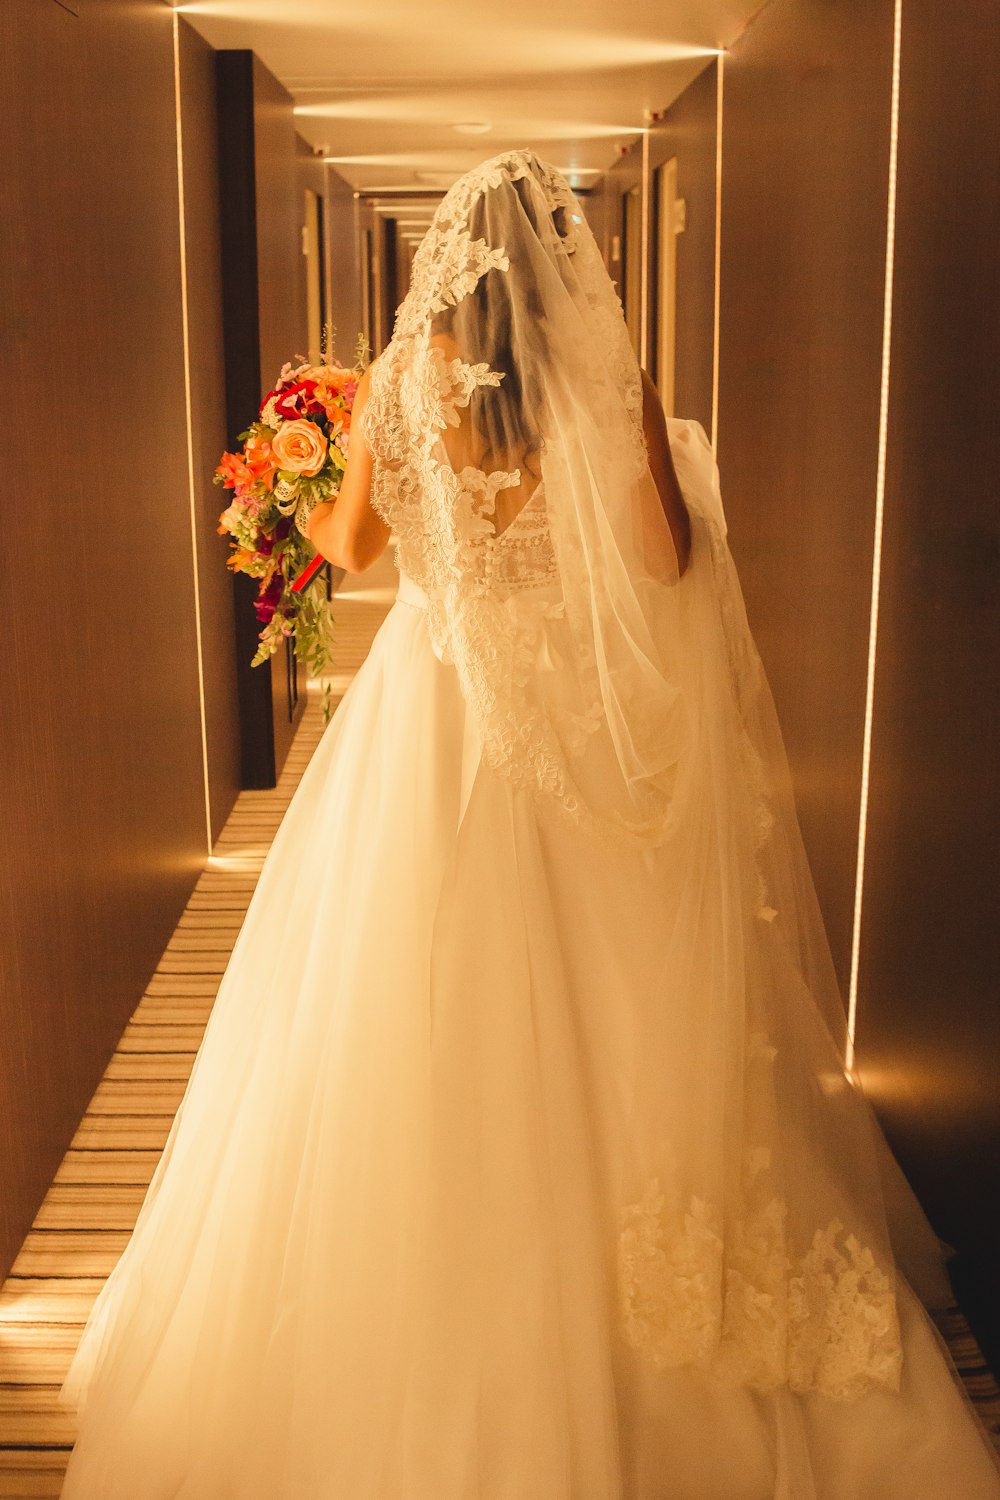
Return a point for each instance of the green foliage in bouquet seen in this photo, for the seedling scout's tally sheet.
(292, 457)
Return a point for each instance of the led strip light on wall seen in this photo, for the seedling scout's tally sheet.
(646, 251)
(719, 73)
(192, 493)
(852, 999)
(883, 422)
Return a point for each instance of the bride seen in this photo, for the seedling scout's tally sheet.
(519, 1160)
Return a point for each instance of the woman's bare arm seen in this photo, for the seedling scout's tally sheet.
(348, 532)
(661, 464)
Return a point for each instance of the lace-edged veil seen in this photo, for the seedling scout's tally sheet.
(505, 421)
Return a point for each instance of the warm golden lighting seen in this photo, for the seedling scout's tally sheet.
(236, 863)
(424, 111)
(644, 236)
(852, 1004)
(32, 1307)
(409, 159)
(441, 165)
(608, 50)
(545, 49)
(192, 489)
(719, 71)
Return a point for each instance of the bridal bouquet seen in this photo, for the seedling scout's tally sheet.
(292, 457)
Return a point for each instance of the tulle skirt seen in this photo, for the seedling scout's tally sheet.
(407, 1238)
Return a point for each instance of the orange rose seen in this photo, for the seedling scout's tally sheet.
(299, 447)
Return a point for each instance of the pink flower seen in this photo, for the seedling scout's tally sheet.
(255, 505)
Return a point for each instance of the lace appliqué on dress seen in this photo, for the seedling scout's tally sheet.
(738, 1303)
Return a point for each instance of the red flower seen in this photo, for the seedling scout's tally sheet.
(296, 400)
(269, 598)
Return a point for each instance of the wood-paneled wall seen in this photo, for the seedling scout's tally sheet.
(104, 826)
(604, 207)
(264, 325)
(687, 131)
(196, 74)
(805, 159)
(805, 180)
(310, 177)
(344, 266)
(806, 125)
(928, 1021)
(375, 256)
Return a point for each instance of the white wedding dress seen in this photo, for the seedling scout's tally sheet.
(518, 1163)
(377, 1261)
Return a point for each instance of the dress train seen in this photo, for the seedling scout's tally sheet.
(380, 1258)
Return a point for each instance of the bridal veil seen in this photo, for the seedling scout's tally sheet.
(629, 699)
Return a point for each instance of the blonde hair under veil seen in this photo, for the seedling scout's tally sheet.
(505, 421)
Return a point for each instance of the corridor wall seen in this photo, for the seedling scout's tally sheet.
(345, 269)
(805, 158)
(105, 823)
(264, 326)
(206, 373)
(854, 144)
(809, 405)
(928, 1023)
(687, 130)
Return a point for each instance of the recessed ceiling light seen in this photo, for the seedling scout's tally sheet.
(473, 127)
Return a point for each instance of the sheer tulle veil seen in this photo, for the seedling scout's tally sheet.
(510, 367)
(629, 701)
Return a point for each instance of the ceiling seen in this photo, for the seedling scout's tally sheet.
(381, 86)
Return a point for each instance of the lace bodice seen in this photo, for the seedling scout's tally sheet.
(516, 558)
(520, 556)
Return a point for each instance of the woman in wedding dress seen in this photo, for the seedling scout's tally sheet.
(519, 1160)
